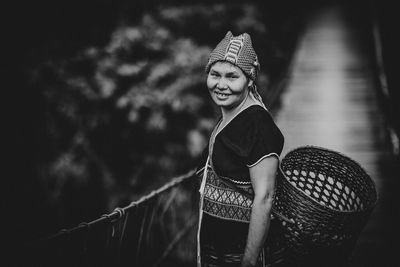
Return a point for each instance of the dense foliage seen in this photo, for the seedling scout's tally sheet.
(119, 112)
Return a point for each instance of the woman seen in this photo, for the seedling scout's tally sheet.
(242, 159)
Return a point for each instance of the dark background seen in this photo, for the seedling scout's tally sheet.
(89, 124)
(79, 139)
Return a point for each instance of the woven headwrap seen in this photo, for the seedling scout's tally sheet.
(237, 50)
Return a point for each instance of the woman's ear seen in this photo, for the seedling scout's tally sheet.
(250, 83)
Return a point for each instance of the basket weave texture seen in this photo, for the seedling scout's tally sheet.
(325, 198)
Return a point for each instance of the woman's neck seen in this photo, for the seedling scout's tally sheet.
(228, 114)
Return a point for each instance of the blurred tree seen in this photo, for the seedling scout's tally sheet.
(119, 103)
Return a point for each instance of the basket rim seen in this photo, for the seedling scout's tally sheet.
(370, 207)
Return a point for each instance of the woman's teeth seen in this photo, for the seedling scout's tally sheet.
(221, 94)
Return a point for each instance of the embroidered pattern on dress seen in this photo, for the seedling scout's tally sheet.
(224, 202)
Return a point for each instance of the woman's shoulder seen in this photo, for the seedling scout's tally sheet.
(253, 129)
(254, 115)
(249, 123)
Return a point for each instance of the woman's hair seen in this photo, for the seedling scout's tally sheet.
(256, 95)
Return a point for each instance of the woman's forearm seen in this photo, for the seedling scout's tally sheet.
(258, 229)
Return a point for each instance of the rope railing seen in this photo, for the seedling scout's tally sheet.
(156, 230)
(159, 229)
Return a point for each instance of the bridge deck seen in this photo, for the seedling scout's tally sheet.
(331, 101)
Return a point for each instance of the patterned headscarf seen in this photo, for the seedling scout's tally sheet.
(237, 50)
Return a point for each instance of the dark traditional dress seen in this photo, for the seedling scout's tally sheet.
(248, 138)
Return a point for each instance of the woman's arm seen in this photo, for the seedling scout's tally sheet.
(262, 177)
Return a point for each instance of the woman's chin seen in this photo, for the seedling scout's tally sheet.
(222, 102)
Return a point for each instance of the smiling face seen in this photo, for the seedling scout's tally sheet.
(228, 85)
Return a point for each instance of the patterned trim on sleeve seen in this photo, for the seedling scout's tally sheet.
(263, 157)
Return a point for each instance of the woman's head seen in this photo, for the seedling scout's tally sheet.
(239, 51)
(233, 68)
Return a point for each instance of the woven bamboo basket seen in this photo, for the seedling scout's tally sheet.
(325, 199)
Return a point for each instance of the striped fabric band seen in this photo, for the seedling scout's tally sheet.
(234, 47)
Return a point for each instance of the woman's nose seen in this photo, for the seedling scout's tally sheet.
(222, 84)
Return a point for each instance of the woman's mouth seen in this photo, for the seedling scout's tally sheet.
(221, 95)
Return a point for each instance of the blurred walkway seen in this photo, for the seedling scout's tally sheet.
(331, 101)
